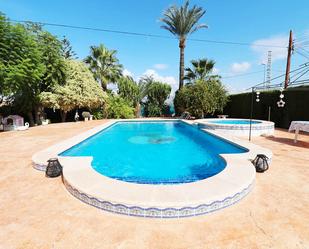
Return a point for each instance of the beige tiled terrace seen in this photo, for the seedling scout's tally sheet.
(37, 212)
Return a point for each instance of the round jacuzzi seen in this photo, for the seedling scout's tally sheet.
(238, 127)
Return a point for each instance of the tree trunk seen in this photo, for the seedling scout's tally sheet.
(63, 115)
(104, 85)
(181, 62)
(138, 110)
(31, 120)
(38, 111)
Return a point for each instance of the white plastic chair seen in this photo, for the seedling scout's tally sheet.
(23, 128)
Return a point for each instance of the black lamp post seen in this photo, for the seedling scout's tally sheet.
(251, 108)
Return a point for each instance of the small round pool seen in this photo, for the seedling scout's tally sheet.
(235, 121)
(238, 127)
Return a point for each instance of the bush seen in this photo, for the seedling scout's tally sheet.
(167, 110)
(98, 114)
(201, 98)
(117, 107)
(157, 93)
(296, 99)
(86, 115)
(152, 110)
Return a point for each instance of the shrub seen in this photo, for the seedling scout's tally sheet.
(98, 114)
(201, 98)
(86, 115)
(152, 110)
(156, 95)
(117, 107)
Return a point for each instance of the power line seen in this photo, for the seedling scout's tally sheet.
(259, 85)
(144, 34)
(301, 42)
(301, 75)
(300, 72)
(302, 54)
(304, 50)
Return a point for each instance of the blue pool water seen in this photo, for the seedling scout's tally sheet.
(155, 152)
(234, 121)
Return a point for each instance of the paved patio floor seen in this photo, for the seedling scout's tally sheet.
(37, 212)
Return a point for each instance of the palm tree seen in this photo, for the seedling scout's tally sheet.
(181, 22)
(201, 70)
(104, 65)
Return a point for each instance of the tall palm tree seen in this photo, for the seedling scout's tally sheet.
(104, 65)
(201, 70)
(181, 22)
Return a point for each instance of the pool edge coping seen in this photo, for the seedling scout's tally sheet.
(53, 151)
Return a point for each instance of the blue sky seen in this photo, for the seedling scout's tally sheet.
(254, 22)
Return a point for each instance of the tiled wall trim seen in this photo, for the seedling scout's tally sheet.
(154, 212)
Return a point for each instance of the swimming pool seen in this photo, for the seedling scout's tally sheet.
(174, 184)
(238, 127)
(170, 152)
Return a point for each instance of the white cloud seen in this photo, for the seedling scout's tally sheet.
(160, 66)
(277, 44)
(113, 87)
(165, 79)
(240, 67)
(215, 70)
(126, 72)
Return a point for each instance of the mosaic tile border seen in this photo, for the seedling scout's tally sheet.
(154, 212)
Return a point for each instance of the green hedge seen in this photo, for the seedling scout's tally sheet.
(296, 106)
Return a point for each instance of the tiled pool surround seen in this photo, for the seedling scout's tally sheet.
(157, 201)
(258, 127)
(154, 212)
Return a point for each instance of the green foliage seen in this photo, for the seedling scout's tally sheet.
(129, 90)
(51, 50)
(30, 63)
(143, 85)
(98, 114)
(182, 21)
(148, 92)
(4, 54)
(201, 70)
(67, 50)
(21, 67)
(80, 90)
(296, 100)
(117, 107)
(201, 98)
(53, 61)
(156, 94)
(104, 65)
(153, 110)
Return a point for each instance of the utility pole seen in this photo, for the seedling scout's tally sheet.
(288, 63)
